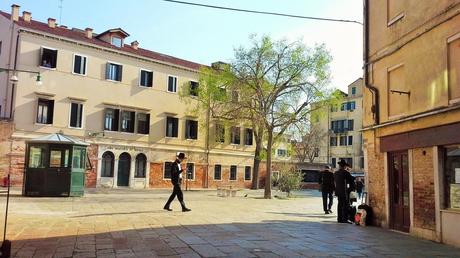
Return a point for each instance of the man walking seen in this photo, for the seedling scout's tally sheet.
(176, 180)
(343, 180)
(327, 187)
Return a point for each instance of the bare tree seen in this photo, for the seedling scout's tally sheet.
(307, 148)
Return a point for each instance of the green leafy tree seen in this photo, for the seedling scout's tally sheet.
(289, 180)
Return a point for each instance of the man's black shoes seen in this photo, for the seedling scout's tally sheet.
(326, 212)
(167, 208)
(186, 209)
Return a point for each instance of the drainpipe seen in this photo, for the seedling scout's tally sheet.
(13, 85)
(375, 92)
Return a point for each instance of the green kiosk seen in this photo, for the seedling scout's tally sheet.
(55, 165)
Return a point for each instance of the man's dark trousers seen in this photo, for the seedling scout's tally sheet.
(342, 208)
(180, 196)
(326, 196)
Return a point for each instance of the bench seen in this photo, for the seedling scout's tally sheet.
(226, 191)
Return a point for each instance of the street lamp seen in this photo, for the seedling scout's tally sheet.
(14, 78)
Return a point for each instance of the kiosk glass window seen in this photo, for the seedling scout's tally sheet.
(37, 157)
(452, 177)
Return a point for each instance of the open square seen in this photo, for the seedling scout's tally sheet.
(132, 223)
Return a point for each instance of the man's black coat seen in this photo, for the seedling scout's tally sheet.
(175, 172)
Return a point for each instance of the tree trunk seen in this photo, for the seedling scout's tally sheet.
(255, 171)
(268, 175)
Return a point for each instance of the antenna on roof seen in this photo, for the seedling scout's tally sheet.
(60, 11)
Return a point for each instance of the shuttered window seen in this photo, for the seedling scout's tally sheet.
(172, 126)
(114, 72)
(76, 115)
(79, 64)
(191, 129)
(454, 69)
(146, 79)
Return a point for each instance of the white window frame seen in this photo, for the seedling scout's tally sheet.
(115, 63)
(193, 172)
(36, 110)
(250, 174)
(86, 64)
(82, 114)
(167, 83)
(214, 173)
(41, 55)
(230, 173)
(140, 76)
(111, 41)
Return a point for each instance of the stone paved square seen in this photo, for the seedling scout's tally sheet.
(132, 223)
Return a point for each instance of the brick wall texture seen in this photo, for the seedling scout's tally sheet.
(376, 184)
(423, 188)
(91, 174)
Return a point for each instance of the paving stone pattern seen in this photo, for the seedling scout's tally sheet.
(131, 223)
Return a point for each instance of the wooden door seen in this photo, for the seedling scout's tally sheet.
(398, 169)
(124, 166)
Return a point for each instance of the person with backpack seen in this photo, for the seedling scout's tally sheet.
(176, 180)
(327, 187)
(343, 182)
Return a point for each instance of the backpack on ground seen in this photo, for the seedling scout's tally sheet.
(364, 206)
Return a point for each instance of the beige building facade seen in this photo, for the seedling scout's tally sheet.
(341, 126)
(412, 116)
(123, 100)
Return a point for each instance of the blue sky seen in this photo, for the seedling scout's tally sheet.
(207, 35)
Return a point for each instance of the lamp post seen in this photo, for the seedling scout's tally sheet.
(14, 79)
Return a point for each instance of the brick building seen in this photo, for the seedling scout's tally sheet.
(120, 98)
(411, 118)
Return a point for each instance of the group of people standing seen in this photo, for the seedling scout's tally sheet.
(342, 183)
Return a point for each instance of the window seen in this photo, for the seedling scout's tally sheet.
(191, 129)
(351, 105)
(247, 173)
(45, 111)
(217, 172)
(193, 88)
(316, 152)
(79, 158)
(235, 135)
(233, 173)
(146, 79)
(172, 84)
(220, 133)
(59, 158)
(143, 123)
(454, 68)
(341, 126)
(361, 162)
(333, 141)
(334, 162)
(248, 136)
(127, 121)
(396, 81)
(141, 163)
(452, 177)
(48, 58)
(395, 11)
(108, 160)
(116, 41)
(353, 90)
(168, 170)
(334, 108)
(37, 156)
(190, 171)
(111, 119)
(76, 115)
(343, 140)
(172, 124)
(79, 64)
(113, 72)
(350, 140)
(282, 153)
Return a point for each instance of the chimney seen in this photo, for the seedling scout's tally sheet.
(89, 33)
(26, 16)
(134, 44)
(51, 22)
(15, 12)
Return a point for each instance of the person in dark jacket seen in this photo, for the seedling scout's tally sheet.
(343, 181)
(359, 188)
(327, 187)
(176, 180)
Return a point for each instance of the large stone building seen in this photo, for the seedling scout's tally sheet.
(120, 98)
(412, 116)
(341, 127)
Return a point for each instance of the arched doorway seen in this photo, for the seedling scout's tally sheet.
(124, 166)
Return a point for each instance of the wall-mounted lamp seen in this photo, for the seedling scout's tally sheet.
(14, 78)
